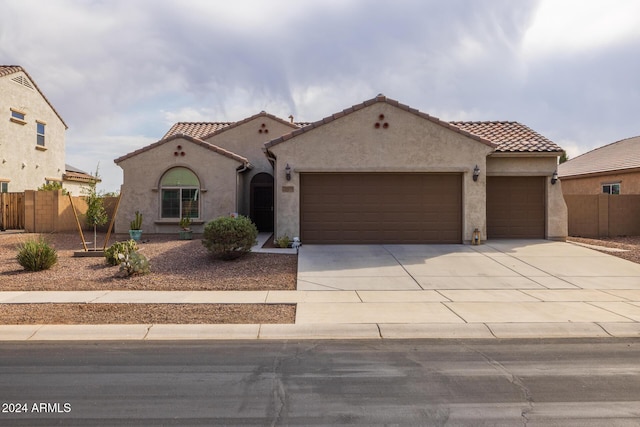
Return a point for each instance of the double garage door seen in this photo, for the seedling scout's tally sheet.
(370, 208)
(381, 208)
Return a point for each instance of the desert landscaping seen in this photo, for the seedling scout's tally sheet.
(183, 265)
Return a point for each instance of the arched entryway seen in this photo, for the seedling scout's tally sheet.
(261, 211)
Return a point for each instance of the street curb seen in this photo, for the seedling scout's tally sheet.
(158, 332)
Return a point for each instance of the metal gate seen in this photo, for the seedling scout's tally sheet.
(11, 211)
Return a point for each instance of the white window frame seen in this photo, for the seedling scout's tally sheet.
(610, 187)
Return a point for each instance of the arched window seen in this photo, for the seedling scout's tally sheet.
(179, 192)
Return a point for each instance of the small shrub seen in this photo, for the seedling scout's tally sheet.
(112, 252)
(228, 238)
(36, 255)
(283, 242)
(134, 263)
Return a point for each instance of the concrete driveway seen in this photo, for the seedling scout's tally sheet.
(500, 286)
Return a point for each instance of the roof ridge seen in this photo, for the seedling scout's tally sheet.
(190, 138)
(378, 98)
(17, 68)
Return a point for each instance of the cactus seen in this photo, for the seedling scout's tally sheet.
(136, 224)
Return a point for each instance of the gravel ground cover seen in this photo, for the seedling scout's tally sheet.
(91, 314)
(631, 245)
(175, 265)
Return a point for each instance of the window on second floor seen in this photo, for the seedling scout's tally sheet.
(40, 131)
(611, 188)
(17, 116)
(4, 187)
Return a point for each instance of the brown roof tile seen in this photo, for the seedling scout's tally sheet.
(204, 130)
(511, 137)
(195, 129)
(614, 157)
(6, 70)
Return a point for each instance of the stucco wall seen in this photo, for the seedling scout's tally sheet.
(21, 163)
(141, 180)
(629, 183)
(247, 140)
(524, 165)
(352, 143)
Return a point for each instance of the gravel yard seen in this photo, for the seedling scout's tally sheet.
(631, 245)
(175, 265)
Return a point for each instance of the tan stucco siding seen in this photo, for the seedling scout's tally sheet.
(629, 183)
(525, 165)
(141, 183)
(21, 162)
(247, 140)
(353, 143)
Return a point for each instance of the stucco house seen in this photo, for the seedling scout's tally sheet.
(32, 137)
(378, 172)
(611, 169)
(31, 134)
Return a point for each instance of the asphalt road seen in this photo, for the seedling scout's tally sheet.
(418, 382)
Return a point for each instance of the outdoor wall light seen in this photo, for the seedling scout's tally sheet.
(554, 177)
(476, 173)
(287, 172)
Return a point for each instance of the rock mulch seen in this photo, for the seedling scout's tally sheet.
(175, 265)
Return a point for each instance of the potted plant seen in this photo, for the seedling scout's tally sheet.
(135, 229)
(185, 232)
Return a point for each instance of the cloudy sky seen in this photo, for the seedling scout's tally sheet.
(121, 72)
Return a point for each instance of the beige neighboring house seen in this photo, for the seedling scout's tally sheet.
(76, 181)
(378, 172)
(32, 138)
(32, 134)
(611, 169)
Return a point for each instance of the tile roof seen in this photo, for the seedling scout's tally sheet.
(379, 98)
(615, 157)
(196, 129)
(6, 70)
(204, 130)
(196, 141)
(511, 137)
(74, 174)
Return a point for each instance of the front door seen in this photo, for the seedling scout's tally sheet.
(262, 201)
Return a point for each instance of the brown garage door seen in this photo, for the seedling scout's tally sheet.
(515, 207)
(381, 208)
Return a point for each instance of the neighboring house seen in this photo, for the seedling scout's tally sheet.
(378, 172)
(602, 190)
(76, 181)
(32, 134)
(611, 169)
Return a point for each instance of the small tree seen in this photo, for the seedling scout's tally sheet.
(53, 186)
(96, 213)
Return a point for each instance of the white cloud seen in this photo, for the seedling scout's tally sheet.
(570, 26)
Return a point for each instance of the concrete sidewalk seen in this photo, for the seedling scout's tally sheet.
(510, 289)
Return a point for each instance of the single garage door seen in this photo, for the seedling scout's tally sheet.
(515, 207)
(381, 208)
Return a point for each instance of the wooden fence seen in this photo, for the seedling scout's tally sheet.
(11, 211)
(603, 215)
(46, 211)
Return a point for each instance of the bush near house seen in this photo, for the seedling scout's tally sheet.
(229, 238)
(36, 255)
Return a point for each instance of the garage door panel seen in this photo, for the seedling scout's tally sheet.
(516, 207)
(381, 208)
